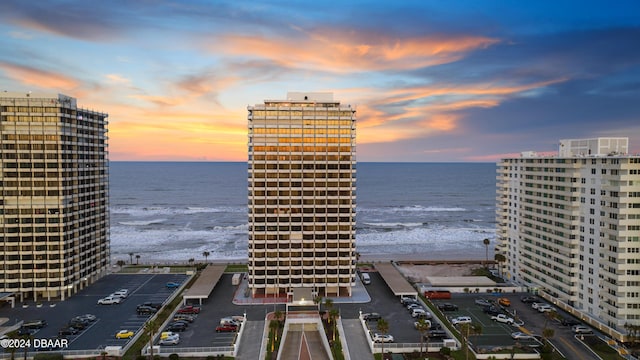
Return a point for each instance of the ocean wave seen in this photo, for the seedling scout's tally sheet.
(142, 222)
(413, 208)
(394, 224)
(163, 210)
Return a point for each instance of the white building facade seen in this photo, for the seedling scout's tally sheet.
(301, 190)
(54, 205)
(569, 226)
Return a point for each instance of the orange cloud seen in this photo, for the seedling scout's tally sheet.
(39, 78)
(326, 51)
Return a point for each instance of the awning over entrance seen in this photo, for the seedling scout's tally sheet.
(398, 284)
(203, 287)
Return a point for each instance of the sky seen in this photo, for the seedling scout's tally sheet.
(431, 80)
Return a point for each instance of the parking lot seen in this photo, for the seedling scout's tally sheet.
(109, 318)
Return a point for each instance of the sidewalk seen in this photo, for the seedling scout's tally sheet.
(242, 296)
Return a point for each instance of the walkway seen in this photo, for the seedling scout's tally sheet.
(303, 345)
(251, 340)
(355, 337)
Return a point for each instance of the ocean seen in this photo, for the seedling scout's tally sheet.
(174, 211)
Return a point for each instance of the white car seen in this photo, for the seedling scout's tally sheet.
(420, 312)
(109, 300)
(170, 340)
(382, 338)
(536, 305)
(119, 295)
(521, 336)
(461, 320)
(546, 308)
(427, 322)
(581, 329)
(502, 318)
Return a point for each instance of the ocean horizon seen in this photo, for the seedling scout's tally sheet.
(172, 211)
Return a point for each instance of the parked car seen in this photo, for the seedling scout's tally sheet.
(581, 329)
(151, 304)
(521, 336)
(34, 324)
(436, 333)
(568, 321)
(119, 295)
(546, 308)
(88, 317)
(535, 305)
(184, 317)
(448, 307)
(461, 320)
(170, 340)
(482, 302)
(529, 299)
(406, 300)
(502, 318)
(413, 306)
(382, 338)
(420, 312)
(109, 300)
(146, 310)
(189, 309)
(226, 328)
(371, 316)
(492, 310)
(124, 334)
(166, 334)
(172, 285)
(177, 327)
(504, 301)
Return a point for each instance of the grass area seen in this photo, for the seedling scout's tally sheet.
(236, 268)
(601, 348)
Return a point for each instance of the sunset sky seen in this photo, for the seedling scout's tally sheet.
(431, 80)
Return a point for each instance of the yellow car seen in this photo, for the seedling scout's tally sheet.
(504, 302)
(124, 334)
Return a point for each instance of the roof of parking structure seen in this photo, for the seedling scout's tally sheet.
(393, 277)
(203, 286)
(444, 281)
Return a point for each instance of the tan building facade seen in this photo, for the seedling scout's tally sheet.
(302, 202)
(54, 206)
(570, 227)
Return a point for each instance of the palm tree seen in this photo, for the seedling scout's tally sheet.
(486, 243)
(333, 316)
(150, 328)
(423, 328)
(206, 255)
(120, 263)
(273, 327)
(466, 330)
(383, 328)
(191, 261)
(131, 258)
(328, 303)
(277, 315)
(137, 259)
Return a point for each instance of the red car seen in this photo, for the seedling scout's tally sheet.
(189, 310)
(227, 328)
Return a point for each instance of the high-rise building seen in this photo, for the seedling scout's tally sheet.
(569, 226)
(54, 206)
(302, 202)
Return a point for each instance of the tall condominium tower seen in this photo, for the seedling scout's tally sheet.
(302, 202)
(54, 206)
(569, 226)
